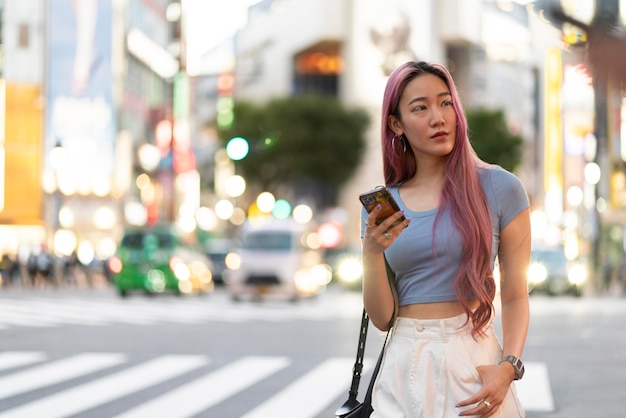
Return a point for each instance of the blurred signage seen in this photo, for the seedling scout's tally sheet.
(2, 130)
(581, 10)
(151, 54)
(553, 142)
(22, 195)
(80, 113)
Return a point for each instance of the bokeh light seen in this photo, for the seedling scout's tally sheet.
(282, 209)
(592, 173)
(64, 242)
(85, 252)
(206, 218)
(235, 186)
(135, 214)
(104, 218)
(266, 201)
(237, 148)
(303, 214)
(330, 234)
(224, 209)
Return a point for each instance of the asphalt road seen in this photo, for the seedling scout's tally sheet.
(87, 353)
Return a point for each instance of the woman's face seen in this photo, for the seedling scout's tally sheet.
(427, 117)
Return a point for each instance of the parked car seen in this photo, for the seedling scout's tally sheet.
(551, 272)
(274, 260)
(155, 260)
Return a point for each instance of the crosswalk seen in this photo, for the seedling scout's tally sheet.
(54, 311)
(37, 384)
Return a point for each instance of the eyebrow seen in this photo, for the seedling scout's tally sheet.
(419, 99)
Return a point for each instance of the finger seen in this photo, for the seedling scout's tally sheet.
(474, 399)
(387, 223)
(479, 410)
(371, 218)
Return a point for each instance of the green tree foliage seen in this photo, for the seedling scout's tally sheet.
(492, 139)
(299, 140)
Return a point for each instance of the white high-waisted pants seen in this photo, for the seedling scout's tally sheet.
(430, 365)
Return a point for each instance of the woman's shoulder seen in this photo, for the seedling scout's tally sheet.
(497, 178)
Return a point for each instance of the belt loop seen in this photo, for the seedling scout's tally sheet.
(444, 331)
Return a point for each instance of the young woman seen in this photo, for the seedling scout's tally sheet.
(443, 358)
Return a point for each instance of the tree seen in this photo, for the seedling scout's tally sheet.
(310, 143)
(492, 140)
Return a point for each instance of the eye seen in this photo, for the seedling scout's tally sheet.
(419, 108)
(446, 103)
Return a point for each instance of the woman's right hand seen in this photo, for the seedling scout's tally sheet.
(378, 238)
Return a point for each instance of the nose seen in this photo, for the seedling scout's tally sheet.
(437, 117)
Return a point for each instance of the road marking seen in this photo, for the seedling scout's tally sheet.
(326, 384)
(42, 311)
(8, 316)
(53, 309)
(534, 390)
(193, 398)
(117, 312)
(317, 389)
(13, 359)
(106, 389)
(56, 372)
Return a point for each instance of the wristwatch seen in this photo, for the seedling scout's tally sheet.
(517, 365)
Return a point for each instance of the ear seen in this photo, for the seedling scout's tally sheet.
(395, 125)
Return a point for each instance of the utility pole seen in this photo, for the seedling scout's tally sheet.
(604, 22)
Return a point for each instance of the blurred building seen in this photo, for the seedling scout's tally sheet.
(22, 216)
(86, 84)
(347, 48)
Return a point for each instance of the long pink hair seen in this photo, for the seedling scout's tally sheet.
(462, 192)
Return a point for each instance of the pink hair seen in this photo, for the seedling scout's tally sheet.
(462, 192)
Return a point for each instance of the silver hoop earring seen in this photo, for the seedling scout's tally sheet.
(402, 138)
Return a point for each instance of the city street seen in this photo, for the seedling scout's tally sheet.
(88, 353)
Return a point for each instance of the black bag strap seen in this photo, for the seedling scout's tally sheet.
(357, 370)
(370, 387)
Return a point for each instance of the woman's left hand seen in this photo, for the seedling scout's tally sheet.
(497, 380)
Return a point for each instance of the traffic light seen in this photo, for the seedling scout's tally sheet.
(237, 148)
(225, 115)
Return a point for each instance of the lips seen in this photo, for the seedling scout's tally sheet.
(440, 135)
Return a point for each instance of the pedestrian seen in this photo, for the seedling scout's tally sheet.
(443, 358)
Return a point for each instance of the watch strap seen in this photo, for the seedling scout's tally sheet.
(518, 365)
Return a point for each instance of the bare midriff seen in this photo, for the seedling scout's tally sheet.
(435, 310)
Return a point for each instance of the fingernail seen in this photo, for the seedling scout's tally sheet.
(378, 207)
(457, 405)
(461, 414)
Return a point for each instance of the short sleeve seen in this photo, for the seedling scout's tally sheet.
(509, 194)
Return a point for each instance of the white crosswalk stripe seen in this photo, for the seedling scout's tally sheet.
(108, 388)
(117, 377)
(316, 389)
(12, 359)
(534, 389)
(209, 390)
(56, 372)
(43, 312)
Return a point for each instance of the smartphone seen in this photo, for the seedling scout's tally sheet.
(380, 195)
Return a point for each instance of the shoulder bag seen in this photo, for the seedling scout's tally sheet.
(352, 408)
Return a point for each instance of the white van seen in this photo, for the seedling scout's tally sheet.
(273, 259)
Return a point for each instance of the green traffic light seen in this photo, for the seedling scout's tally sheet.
(237, 148)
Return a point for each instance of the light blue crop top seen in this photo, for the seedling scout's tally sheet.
(424, 275)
